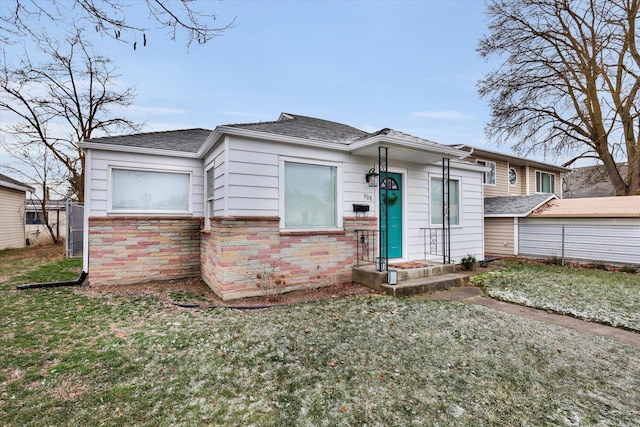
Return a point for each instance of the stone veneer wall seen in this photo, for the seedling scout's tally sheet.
(125, 250)
(238, 249)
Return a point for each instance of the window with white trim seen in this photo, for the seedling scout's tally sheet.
(490, 176)
(436, 201)
(310, 196)
(150, 191)
(210, 191)
(545, 182)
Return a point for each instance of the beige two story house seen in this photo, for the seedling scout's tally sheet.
(513, 188)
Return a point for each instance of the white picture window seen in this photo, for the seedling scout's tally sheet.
(490, 176)
(149, 191)
(545, 182)
(436, 201)
(310, 197)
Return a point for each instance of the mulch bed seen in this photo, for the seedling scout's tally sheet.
(205, 297)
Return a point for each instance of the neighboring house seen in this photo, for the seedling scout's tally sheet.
(12, 212)
(604, 229)
(36, 224)
(279, 199)
(590, 181)
(516, 176)
(501, 221)
(513, 187)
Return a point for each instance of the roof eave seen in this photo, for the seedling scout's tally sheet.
(507, 215)
(516, 160)
(15, 186)
(253, 134)
(432, 147)
(136, 150)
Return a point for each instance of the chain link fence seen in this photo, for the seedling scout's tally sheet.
(616, 244)
(75, 229)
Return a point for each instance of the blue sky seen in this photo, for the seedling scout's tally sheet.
(407, 65)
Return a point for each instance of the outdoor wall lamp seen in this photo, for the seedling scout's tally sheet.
(372, 177)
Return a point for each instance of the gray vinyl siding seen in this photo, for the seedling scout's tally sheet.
(606, 240)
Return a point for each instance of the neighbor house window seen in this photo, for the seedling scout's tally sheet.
(490, 176)
(310, 196)
(436, 201)
(140, 190)
(513, 177)
(34, 218)
(545, 182)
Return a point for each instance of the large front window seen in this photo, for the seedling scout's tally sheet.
(545, 182)
(310, 198)
(436, 201)
(140, 190)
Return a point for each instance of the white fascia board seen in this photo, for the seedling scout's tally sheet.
(15, 186)
(271, 137)
(511, 215)
(422, 146)
(467, 166)
(136, 150)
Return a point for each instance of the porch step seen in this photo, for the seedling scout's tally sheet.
(368, 276)
(425, 285)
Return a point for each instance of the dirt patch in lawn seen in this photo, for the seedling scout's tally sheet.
(194, 292)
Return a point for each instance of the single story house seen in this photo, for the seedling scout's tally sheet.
(13, 195)
(291, 196)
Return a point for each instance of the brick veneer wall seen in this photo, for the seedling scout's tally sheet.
(124, 250)
(239, 249)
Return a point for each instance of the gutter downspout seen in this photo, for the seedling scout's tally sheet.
(76, 282)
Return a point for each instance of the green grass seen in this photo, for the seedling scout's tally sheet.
(72, 357)
(608, 297)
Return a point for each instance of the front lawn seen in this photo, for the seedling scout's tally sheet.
(71, 357)
(608, 297)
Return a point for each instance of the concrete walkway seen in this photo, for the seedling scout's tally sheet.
(475, 296)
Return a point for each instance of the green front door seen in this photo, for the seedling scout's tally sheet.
(392, 182)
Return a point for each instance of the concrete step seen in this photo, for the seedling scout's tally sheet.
(368, 276)
(424, 285)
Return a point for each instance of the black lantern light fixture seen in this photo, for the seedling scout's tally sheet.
(372, 177)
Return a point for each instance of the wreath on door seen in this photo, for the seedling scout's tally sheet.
(390, 200)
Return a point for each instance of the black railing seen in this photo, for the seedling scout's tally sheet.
(366, 246)
(433, 242)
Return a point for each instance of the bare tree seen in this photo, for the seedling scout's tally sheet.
(61, 103)
(110, 17)
(568, 81)
(35, 166)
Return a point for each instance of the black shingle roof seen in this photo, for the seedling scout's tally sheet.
(186, 140)
(514, 205)
(306, 127)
